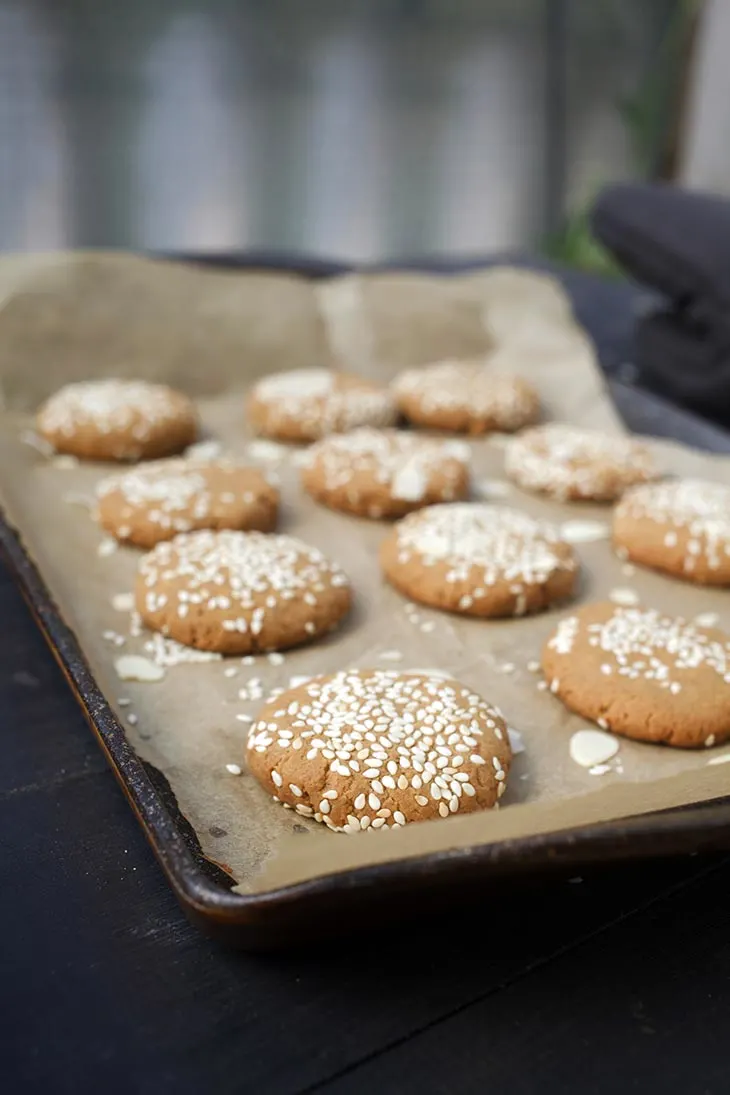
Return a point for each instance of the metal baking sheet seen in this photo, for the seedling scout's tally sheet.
(291, 911)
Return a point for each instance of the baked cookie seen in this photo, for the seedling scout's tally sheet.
(681, 527)
(373, 749)
(465, 396)
(572, 464)
(118, 420)
(385, 473)
(306, 404)
(240, 592)
(642, 674)
(479, 560)
(156, 501)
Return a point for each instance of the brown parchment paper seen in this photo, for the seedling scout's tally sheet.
(65, 317)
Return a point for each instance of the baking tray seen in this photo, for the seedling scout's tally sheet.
(360, 897)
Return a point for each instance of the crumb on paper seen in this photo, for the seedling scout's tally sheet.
(132, 719)
(230, 671)
(275, 658)
(203, 450)
(107, 546)
(533, 667)
(487, 489)
(124, 701)
(707, 619)
(123, 602)
(299, 680)
(516, 741)
(391, 655)
(584, 532)
(592, 748)
(599, 769)
(266, 450)
(64, 461)
(507, 667)
(243, 717)
(234, 769)
(133, 667)
(624, 597)
(35, 441)
(629, 570)
(167, 653)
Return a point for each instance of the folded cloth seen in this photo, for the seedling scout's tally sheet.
(676, 359)
(677, 242)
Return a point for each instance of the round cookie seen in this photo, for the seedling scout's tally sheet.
(681, 527)
(306, 404)
(240, 592)
(385, 473)
(642, 674)
(572, 464)
(465, 396)
(374, 749)
(158, 500)
(479, 560)
(124, 420)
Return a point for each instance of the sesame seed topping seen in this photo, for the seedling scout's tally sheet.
(238, 579)
(412, 469)
(401, 730)
(322, 402)
(697, 508)
(467, 387)
(566, 461)
(483, 545)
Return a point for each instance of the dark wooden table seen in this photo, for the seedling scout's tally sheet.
(616, 982)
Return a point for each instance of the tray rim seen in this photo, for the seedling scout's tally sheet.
(281, 915)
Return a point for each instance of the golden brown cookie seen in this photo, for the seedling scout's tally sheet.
(374, 749)
(642, 674)
(240, 592)
(306, 404)
(466, 397)
(157, 500)
(385, 473)
(572, 464)
(479, 560)
(681, 527)
(118, 420)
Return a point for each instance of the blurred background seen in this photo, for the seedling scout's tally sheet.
(354, 129)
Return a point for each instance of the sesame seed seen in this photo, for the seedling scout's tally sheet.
(234, 769)
(277, 778)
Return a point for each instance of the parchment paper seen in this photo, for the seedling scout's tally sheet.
(65, 317)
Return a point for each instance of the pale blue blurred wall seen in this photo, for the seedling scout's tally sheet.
(350, 129)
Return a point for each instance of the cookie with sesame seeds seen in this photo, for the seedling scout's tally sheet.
(681, 527)
(123, 420)
(240, 592)
(642, 674)
(464, 396)
(479, 560)
(572, 464)
(306, 404)
(158, 500)
(377, 749)
(385, 473)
